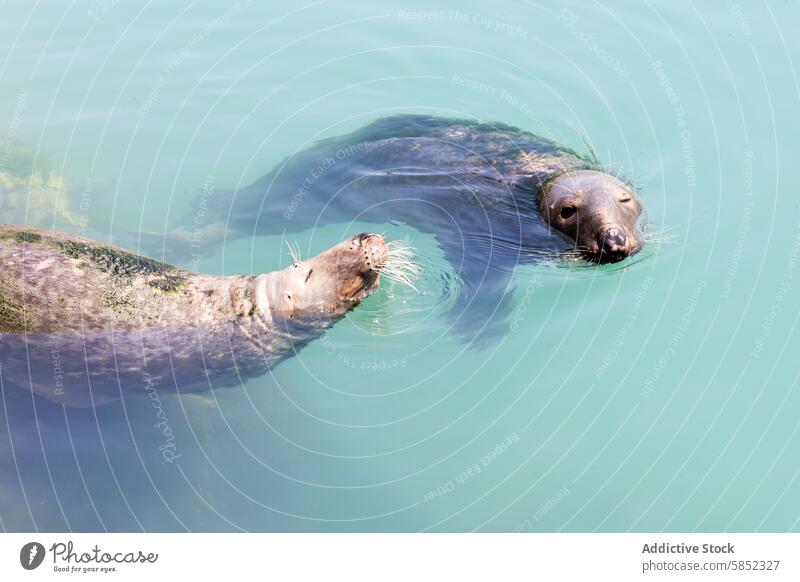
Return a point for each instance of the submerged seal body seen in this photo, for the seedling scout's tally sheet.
(493, 196)
(83, 323)
(33, 192)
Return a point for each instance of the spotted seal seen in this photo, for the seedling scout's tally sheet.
(83, 323)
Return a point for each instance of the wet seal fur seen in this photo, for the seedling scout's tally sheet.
(83, 323)
(494, 197)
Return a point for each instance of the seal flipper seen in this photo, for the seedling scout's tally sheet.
(482, 309)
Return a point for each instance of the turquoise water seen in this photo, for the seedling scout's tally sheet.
(657, 394)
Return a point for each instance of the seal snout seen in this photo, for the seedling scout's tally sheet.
(373, 250)
(613, 245)
(363, 236)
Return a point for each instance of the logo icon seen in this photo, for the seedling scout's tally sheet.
(31, 555)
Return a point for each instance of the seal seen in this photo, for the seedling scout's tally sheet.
(83, 323)
(493, 196)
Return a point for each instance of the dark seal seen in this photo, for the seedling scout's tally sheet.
(493, 196)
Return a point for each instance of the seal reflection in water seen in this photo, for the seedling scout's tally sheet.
(82, 323)
(494, 197)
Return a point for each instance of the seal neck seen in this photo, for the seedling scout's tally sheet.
(261, 296)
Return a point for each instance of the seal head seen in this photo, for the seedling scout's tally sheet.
(330, 284)
(597, 211)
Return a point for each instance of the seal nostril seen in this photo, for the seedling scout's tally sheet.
(614, 241)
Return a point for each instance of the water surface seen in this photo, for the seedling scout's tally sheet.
(657, 394)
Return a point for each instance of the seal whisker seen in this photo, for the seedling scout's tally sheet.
(294, 252)
(661, 239)
(664, 234)
(662, 228)
(399, 265)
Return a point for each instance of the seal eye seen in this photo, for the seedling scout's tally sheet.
(568, 212)
(626, 199)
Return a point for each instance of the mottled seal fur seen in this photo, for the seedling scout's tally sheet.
(491, 194)
(83, 323)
